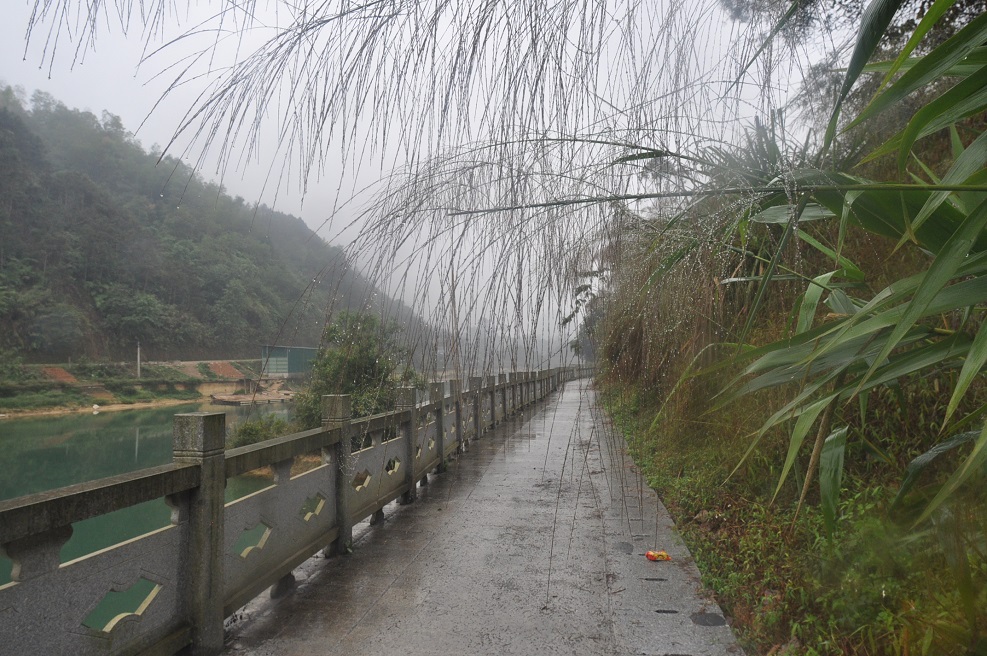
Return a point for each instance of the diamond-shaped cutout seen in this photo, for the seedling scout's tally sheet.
(431, 444)
(363, 441)
(312, 507)
(118, 605)
(392, 466)
(361, 480)
(252, 538)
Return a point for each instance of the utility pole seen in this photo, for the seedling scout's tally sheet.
(138, 359)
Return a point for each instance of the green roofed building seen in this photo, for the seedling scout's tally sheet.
(287, 361)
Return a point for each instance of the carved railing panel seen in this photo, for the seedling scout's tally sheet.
(60, 609)
(427, 453)
(273, 530)
(450, 432)
(469, 418)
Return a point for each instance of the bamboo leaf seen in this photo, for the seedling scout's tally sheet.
(931, 120)
(974, 86)
(971, 418)
(849, 269)
(972, 365)
(918, 465)
(966, 201)
(937, 354)
(932, 16)
(966, 67)
(840, 303)
(801, 429)
(971, 161)
(955, 142)
(874, 23)
(791, 411)
(777, 277)
(772, 266)
(930, 68)
(942, 270)
(831, 476)
(784, 213)
(810, 301)
(883, 212)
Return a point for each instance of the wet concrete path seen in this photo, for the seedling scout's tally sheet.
(532, 542)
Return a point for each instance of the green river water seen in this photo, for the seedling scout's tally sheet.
(43, 453)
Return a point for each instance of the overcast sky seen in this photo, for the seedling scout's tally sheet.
(108, 78)
(670, 80)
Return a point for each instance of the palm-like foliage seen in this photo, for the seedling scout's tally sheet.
(871, 341)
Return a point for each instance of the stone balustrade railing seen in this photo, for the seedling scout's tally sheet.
(199, 569)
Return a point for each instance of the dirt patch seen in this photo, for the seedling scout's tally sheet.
(225, 370)
(58, 374)
(190, 369)
(217, 387)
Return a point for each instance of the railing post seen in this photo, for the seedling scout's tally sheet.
(406, 399)
(502, 381)
(476, 382)
(337, 413)
(490, 397)
(456, 393)
(437, 394)
(199, 438)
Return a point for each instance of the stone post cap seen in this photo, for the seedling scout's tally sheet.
(196, 434)
(336, 408)
(455, 387)
(476, 382)
(405, 397)
(437, 391)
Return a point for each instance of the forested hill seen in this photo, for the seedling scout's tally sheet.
(101, 245)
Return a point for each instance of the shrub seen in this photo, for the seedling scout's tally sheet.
(252, 431)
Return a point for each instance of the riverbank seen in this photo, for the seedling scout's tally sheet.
(112, 407)
(82, 387)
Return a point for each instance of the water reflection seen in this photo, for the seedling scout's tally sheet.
(43, 453)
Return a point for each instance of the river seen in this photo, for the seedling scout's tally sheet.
(43, 453)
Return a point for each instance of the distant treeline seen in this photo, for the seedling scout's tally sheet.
(102, 245)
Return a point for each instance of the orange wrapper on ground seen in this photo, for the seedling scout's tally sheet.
(657, 555)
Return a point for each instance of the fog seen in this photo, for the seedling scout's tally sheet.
(518, 125)
(120, 75)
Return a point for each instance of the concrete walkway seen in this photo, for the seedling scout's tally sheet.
(532, 543)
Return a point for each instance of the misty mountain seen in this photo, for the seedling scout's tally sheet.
(102, 244)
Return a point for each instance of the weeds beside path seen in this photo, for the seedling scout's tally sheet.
(872, 587)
